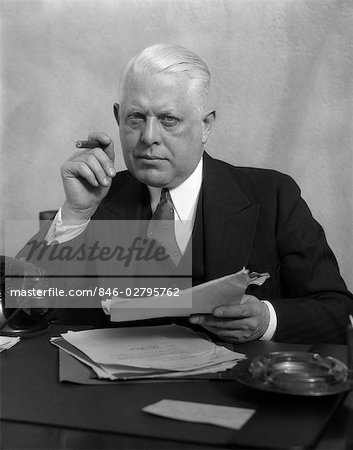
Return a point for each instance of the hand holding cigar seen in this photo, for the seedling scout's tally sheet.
(87, 177)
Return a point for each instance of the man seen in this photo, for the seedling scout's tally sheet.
(239, 216)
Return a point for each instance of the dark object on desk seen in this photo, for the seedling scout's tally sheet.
(295, 373)
(16, 274)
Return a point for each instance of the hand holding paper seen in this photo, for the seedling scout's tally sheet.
(237, 322)
(202, 299)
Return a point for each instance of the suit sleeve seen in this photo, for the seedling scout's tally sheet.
(315, 303)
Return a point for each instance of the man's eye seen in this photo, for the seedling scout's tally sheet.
(169, 121)
(135, 118)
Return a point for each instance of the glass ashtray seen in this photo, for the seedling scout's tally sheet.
(297, 373)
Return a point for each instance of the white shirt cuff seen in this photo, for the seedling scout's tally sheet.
(62, 233)
(272, 324)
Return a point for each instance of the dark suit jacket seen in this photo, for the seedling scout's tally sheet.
(256, 218)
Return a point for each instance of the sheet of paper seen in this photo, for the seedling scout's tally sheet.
(222, 359)
(224, 416)
(7, 342)
(199, 299)
(168, 347)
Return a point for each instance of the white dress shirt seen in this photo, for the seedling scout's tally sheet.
(185, 198)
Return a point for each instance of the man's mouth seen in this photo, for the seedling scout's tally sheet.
(150, 158)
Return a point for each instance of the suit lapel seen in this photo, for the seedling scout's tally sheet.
(229, 221)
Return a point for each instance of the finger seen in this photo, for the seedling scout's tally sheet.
(98, 161)
(230, 335)
(81, 169)
(198, 318)
(105, 161)
(106, 141)
(230, 324)
(234, 311)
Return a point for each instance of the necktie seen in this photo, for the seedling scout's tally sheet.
(161, 226)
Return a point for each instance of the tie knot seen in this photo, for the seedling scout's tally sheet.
(165, 195)
(165, 208)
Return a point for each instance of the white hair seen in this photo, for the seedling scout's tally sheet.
(172, 59)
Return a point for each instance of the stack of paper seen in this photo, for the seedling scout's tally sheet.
(7, 342)
(167, 351)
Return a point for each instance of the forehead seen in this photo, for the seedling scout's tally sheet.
(158, 91)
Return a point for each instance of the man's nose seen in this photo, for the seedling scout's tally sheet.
(150, 132)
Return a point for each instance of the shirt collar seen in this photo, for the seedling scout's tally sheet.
(184, 196)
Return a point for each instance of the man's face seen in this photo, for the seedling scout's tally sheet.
(161, 130)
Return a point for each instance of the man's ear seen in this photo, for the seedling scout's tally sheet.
(116, 112)
(208, 121)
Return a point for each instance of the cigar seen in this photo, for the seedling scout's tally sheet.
(90, 144)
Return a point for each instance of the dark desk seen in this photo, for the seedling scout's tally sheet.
(38, 412)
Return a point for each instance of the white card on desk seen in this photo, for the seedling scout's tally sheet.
(224, 416)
